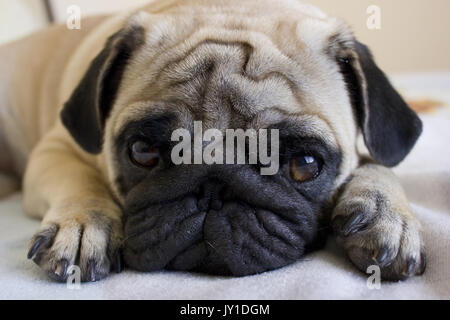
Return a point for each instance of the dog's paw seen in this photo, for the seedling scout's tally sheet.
(376, 232)
(90, 241)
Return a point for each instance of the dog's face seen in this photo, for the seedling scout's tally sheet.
(295, 71)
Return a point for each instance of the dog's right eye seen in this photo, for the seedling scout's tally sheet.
(144, 154)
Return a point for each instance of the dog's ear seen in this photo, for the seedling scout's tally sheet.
(85, 113)
(389, 126)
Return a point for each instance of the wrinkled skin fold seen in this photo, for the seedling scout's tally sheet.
(214, 230)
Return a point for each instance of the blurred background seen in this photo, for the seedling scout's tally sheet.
(414, 34)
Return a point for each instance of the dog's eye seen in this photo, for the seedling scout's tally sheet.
(305, 168)
(144, 154)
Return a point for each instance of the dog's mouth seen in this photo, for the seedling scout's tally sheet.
(217, 233)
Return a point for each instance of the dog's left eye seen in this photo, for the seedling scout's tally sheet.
(305, 168)
(144, 154)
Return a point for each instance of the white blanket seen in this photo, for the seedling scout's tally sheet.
(326, 274)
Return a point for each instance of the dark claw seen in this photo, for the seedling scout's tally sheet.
(409, 268)
(37, 244)
(62, 273)
(354, 224)
(118, 264)
(92, 271)
(381, 255)
(423, 264)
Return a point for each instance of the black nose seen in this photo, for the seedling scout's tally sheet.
(211, 195)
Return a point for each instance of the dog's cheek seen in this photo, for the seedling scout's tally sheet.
(156, 235)
(249, 241)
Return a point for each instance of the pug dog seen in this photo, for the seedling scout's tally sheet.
(87, 117)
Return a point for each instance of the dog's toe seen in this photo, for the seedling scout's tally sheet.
(93, 246)
(374, 234)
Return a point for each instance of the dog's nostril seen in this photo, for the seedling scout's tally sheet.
(203, 204)
(216, 204)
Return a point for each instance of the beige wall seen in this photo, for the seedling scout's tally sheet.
(90, 7)
(414, 34)
(20, 17)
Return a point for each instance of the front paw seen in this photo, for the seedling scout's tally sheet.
(90, 241)
(376, 232)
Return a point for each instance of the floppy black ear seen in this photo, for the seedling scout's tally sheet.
(85, 113)
(389, 126)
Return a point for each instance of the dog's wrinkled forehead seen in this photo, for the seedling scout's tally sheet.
(235, 70)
